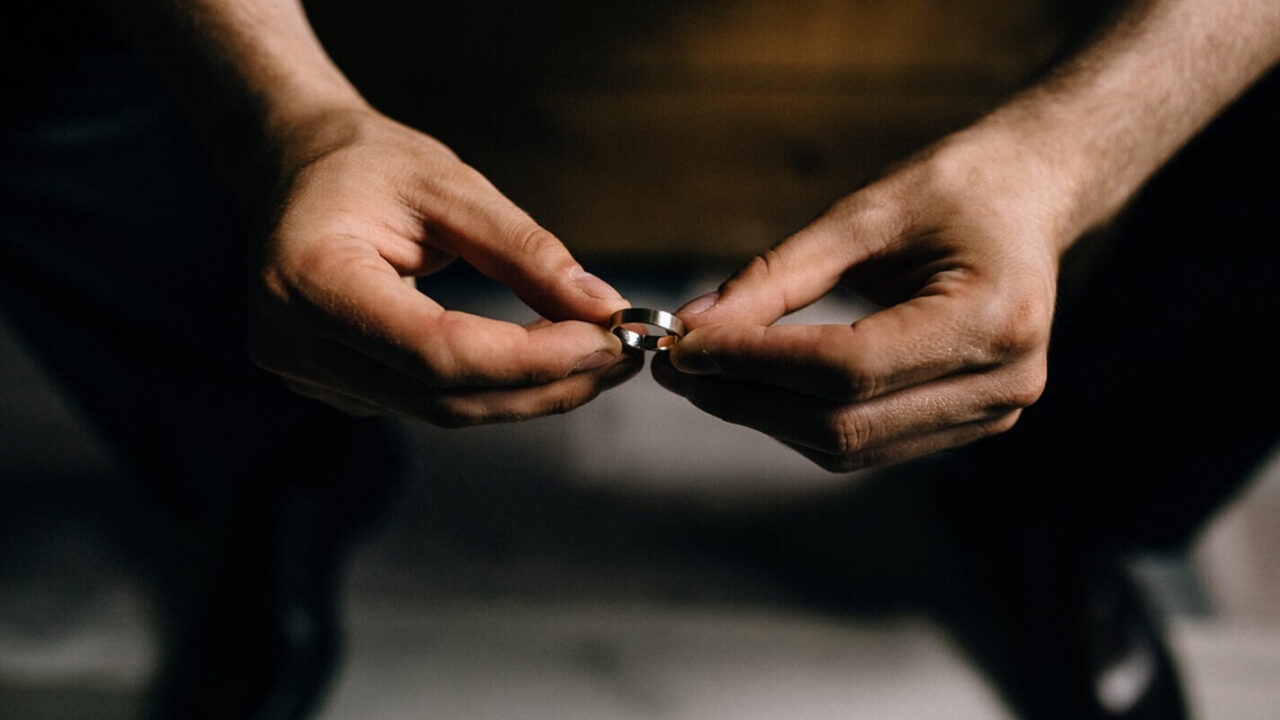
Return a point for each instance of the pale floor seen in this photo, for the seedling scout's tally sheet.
(645, 639)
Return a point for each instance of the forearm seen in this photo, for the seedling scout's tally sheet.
(1106, 120)
(251, 73)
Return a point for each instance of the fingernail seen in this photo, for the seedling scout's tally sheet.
(593, 286)
(593, 361)
(700, 304)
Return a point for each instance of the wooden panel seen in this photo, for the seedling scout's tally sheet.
(712, 173)
(687, 130)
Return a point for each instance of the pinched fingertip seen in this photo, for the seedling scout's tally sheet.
(690, 357)
(699, 305)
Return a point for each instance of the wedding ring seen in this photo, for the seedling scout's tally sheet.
(670, 325)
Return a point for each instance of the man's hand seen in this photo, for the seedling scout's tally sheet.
(961, 247)
(367, 206)
(961, 255)
(362, 206)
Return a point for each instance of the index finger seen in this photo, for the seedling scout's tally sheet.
(904, 345)
(367, 308)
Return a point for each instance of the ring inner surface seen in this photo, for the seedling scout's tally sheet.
(643, 336)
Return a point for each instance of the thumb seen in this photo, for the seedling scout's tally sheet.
(784, 279)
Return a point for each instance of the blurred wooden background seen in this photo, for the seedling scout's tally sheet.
(695, 131)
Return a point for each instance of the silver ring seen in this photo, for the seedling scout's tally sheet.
(670, 325)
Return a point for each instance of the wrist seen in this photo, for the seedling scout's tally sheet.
(1097, 127)
(253, 77)
(1016, 173)
(297, 133)
(1073, 157)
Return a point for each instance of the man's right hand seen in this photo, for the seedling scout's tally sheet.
(366, 206)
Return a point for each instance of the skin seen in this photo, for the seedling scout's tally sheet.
(960, 246)
(355, 206)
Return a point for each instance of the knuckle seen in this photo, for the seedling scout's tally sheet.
(848, 382)
(438, 371)
(535, 241)
(1030, 389)
(315, 260)
(451, 188)
(561, 404)
(853, 384)
(851, 431)
(437, 364)
(762, 264)
(432, 150)
(848, 378)
(1023, 396)
(770, 260)
(1024, 389)
(1022, 328)
(754, 272)
(759, 274)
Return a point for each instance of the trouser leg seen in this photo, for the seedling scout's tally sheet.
(122, 265)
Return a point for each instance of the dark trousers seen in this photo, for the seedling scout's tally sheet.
(122, 265)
